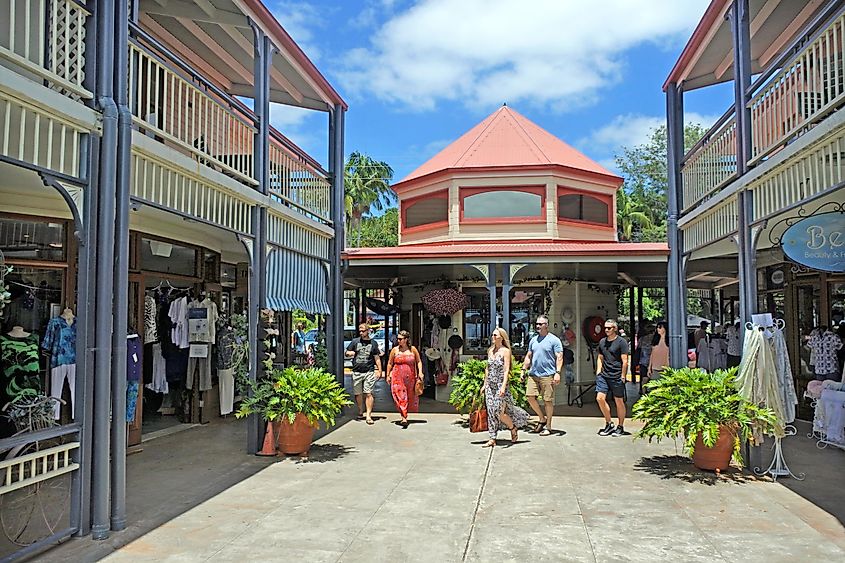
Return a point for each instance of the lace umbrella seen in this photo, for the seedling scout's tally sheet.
(445, 301)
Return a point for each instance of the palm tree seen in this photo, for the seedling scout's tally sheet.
(630, 212)
(366, 184)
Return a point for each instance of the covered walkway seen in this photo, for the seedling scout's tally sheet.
(431, 493)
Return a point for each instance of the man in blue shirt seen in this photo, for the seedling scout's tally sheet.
(543, 363)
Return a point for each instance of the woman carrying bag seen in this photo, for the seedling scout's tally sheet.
(405, 376)
(501, 410)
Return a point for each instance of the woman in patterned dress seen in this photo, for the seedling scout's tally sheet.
(501, 410)
(404, 368)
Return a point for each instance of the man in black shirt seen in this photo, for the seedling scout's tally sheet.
(612, 366)
(366, 369)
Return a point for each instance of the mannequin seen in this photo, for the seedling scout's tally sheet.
(60, 341)
(18, 332)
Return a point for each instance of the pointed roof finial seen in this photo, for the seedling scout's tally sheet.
(504, 104)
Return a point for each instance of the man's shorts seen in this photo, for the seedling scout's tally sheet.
(363, 382)
(610, 385)
(536, 386)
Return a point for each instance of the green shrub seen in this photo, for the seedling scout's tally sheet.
(292, 390)
(690, 403)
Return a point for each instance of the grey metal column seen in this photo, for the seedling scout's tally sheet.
(100, 474)
(121, 268)
(506, 298)
(675, 298)
(336, 167)
(252, 427)
(85, 310)
(491, 289)
(742, 82)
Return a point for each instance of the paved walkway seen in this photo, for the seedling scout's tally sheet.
(431, 493)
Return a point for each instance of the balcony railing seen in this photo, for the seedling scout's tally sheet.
(47, 39)
(179, 107)
(711, 163)
(802, 92)
(796, 92)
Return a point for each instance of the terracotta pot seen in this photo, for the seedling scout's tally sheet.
(293, 438)
(717, 458)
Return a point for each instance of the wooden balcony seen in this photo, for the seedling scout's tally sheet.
(794, 95)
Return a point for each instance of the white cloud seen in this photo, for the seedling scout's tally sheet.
(629, 130)
(306, 128)
(483, 52)
(299, 20)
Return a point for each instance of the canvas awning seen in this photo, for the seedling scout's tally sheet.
(296, 281)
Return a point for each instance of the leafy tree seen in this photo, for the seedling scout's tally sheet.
(380, 231)
(366, 187)
(631, 212)
(644, 168)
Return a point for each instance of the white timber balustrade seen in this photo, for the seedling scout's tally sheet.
(711, 164)
(187, 114)
(45, 39)
(802, 92)
(295, 181)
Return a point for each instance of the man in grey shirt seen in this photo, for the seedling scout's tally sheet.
(545, 360)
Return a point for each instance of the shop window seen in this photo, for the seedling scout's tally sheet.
(526, 305)
(502, 204)
(36, 297)
(477, 321)
(228, 275)
(32, 240)
(168, 257)
(426, 211)
(211, 267)
(579, 207)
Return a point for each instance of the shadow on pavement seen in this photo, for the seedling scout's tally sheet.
(323, 453)
(681, 467)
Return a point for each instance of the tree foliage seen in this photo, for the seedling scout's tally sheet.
(641, 201)
(380, 231)
(366, 184)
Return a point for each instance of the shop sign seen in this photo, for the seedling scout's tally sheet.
(817, 242)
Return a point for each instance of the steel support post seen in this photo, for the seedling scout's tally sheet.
(491, 288)
(336, 167)
(676, 297)
(100, 470)
(507, 283)
(121, 267)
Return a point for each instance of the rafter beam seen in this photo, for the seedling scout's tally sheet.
(193, 11)
(185, 52)
(246, 45)
(753, 28)
(215, 48)
(699, 276)
(778, 44)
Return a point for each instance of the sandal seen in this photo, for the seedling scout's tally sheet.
(489, 444)
(370, 421)
(514, 434)
(540, 427)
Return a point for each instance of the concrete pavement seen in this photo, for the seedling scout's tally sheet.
(431, 493)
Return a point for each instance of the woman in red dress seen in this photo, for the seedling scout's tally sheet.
(404, 369)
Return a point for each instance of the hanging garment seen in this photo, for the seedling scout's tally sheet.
(718, 353)
(159, 369)
(199, 372)
(824, 346)
(833, 415)
(226, 381)
(58, 375)
(18, 371)
(178, 313)
(60, 341)
(757, 380)
(202, 321)
(783, 370)
(150, 322)
(703, 355)
(133, 374)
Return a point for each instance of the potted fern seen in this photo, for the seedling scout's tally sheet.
(705, 409)
(295, 400)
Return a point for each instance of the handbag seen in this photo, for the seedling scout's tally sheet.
(441, 378)
(419, 387)
(478, 420)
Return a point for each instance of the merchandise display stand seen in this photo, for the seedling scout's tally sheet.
(778, 467)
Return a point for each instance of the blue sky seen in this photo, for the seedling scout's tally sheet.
(418, 74)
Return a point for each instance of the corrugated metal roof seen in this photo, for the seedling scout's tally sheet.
(506, 139)
(510, 248)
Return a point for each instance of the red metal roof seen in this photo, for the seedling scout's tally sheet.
(509, 248)
(696, 40)
(506, 139)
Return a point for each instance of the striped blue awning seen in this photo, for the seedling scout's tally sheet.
(296, 281)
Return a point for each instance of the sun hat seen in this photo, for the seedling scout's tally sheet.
(455, 341)
(432, 354)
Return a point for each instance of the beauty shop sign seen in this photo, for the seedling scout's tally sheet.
(817, 242)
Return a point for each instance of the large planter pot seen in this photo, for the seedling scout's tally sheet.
(293, 438)
(717, 458)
